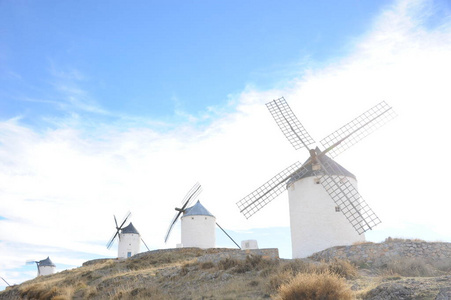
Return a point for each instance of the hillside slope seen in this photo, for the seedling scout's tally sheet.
(190, 273)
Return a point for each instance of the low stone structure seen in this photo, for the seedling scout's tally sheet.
(271, 253)
(380, 253)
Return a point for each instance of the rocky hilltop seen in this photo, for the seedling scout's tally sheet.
(367, 271)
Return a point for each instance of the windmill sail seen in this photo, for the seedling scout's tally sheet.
(289, 124)
(354, 131)
(189, 197)
(346, 197)
(256, 200)
(118, 229)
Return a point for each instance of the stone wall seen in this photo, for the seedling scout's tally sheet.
(381, 253)
(271, 253)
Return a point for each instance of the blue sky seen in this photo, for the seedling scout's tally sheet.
(108, 107)
(110, 60)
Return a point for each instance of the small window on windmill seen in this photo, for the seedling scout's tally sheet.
(337, 208)
(316, 167)
(192, 218)
(317, 180)
(205, 218)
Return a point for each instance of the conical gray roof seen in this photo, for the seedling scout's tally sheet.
(129, 229)
(326, 161)
(46, 262)
(197, 210)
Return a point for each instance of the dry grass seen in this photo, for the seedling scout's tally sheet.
(44, 292)
(313, 286)
(390, 240)
(170, 274)
(411, 267)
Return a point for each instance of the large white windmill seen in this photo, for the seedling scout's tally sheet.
(318, 222)
(129, 239)
(198, 225)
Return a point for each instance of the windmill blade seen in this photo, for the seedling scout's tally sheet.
(289, 124)
(118, 229)
(347, 198)
(256, 200)
(189, 197)
(357, 129)
(127, 215)
(111, 241)
(174, 220)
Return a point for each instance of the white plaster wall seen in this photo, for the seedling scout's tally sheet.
(46, 270)
(199, 231)
(128, 242)
(315, 225)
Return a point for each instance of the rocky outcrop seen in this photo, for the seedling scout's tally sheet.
(379, 254)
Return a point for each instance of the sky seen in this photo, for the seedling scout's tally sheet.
(110, 107)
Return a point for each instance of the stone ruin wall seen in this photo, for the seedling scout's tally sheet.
(381, 253)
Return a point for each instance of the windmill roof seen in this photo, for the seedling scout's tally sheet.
(46, 262)
(129, 229)
(197, 210)
(325, 160)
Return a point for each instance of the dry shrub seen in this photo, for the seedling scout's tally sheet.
(277, 280)
(410, 267)
(313, 286)
(150, 292)
(207, 265)
(391, 240)
(300, 266)
(252, 262)
(343, 268)
(443, 265)
(227, 263)
(362, 243)
(185, 269)
(286, 272)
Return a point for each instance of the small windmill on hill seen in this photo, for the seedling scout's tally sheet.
(129, 239)
(198, 224)
(318, 222)
(45, 266)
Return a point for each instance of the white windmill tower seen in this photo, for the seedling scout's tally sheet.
(198, 225)
(129, 239)
(316, 222)
(45, 266)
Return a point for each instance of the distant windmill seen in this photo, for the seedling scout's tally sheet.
(198, 224)
(45, 266)
(129, 239)
(316, 222)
